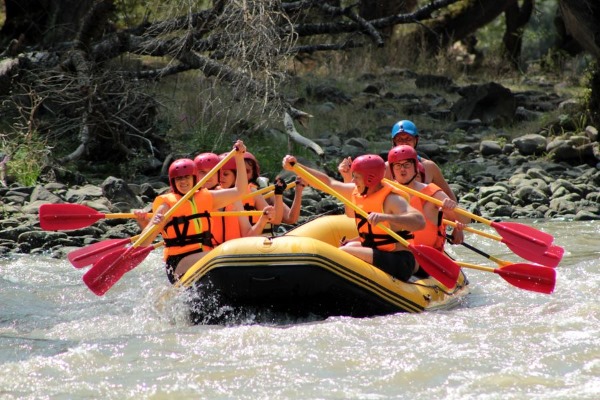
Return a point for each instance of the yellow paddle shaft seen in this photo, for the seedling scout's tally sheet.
(473, 230)
(438, 202)
(212, 214)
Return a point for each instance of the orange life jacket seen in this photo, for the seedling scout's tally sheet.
(373, 236)
(188, 231)
(434, 232)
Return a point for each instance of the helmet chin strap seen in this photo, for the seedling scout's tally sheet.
(364, 192)
(411, 179)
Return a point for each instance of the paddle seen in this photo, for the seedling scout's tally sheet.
(511, 232)
(110, 268)
(524, 276)
(432, 261)
(75, 216)
(550, 258)
(90, 254)
(94, 276)
(501, 263)
(54, 217)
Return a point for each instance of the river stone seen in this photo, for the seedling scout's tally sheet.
(565, 184)
(80, 194)
(503, 210)
(116, 190)
(563, 206)
(41, 193)
(584, 215)
(530, 144)
(39, 238)
(539, 173)
(489, 148)
(530, 194)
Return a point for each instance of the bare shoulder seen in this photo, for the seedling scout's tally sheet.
(394, 203)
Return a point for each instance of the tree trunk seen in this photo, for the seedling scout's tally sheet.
(581, 22)
(516, 19)
(455, 25)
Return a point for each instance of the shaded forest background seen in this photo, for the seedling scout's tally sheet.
(121, 87)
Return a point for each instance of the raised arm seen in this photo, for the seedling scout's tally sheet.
(221, 198)
(345, 189)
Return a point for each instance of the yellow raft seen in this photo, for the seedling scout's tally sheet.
(303, 275)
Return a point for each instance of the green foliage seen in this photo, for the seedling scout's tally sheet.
(27, 154)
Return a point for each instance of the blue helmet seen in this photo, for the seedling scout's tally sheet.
(405, 126)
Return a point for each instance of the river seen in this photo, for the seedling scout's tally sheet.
(60, 341)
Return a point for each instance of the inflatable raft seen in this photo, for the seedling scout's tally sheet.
(303, 275)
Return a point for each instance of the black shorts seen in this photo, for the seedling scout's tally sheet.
(399, 264)
(172, 263)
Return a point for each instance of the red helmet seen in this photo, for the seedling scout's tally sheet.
(401, 153)
(230, 164)
(182, 167)
(253, 163)
(206, 161)
(371, 167)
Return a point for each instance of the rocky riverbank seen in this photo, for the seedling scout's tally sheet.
(535, 176)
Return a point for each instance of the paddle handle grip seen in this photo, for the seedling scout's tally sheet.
(317, 183)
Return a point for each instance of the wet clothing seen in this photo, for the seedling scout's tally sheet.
(399, 264)
(172, 262)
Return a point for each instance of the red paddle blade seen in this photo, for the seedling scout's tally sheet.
(436, 264)
(529, 277)
(549, 258)
(522, 235)
(110, 268)
(55, 217)
(90, 254)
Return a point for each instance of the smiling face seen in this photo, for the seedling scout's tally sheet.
(184, 183)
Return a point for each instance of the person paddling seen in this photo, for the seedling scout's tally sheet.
(405, 132)
(233, 228)
(385, 205)
(404, 164)
(187, 233)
